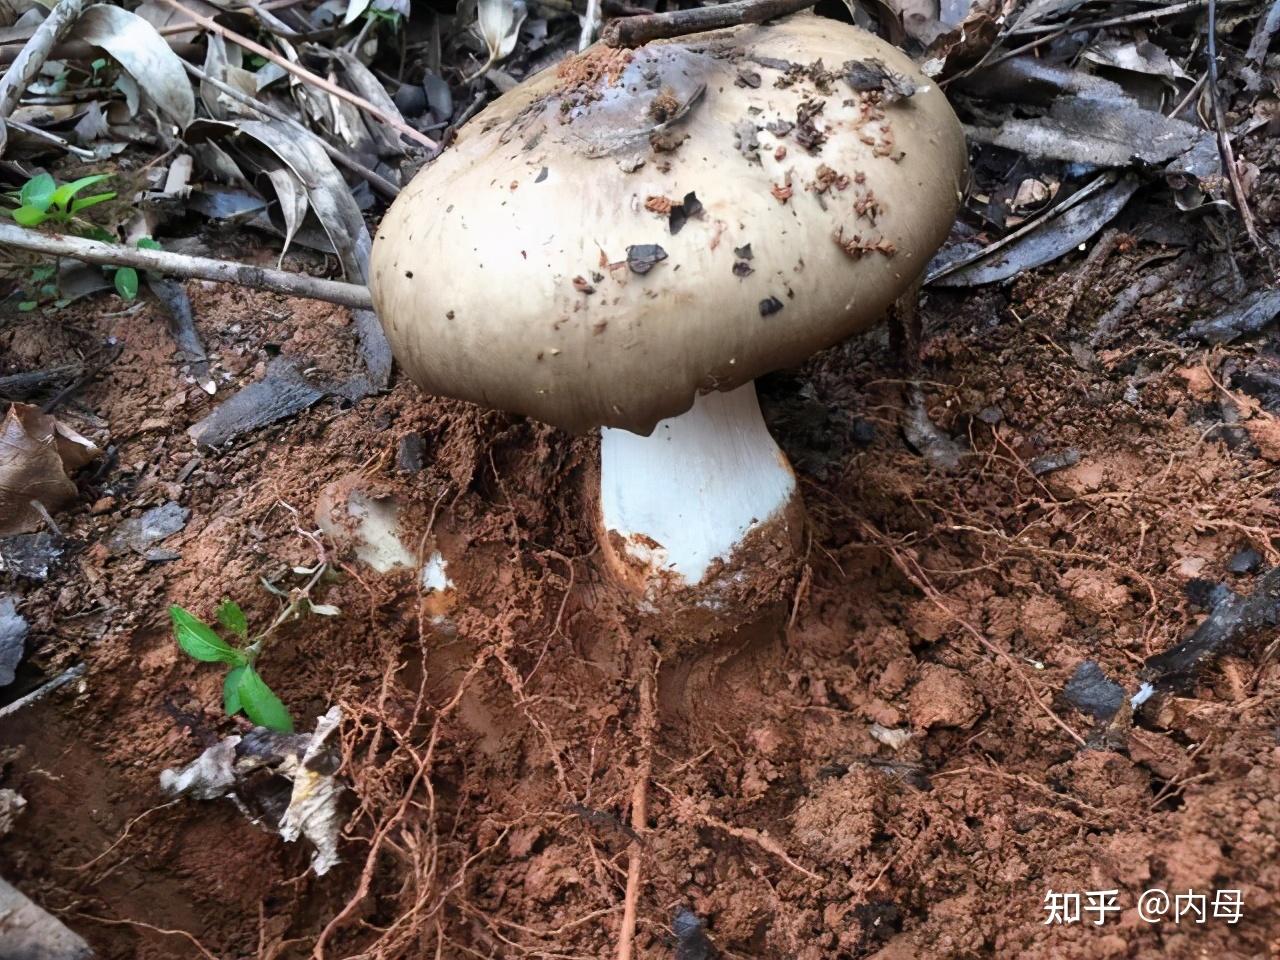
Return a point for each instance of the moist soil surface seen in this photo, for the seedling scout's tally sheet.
(885, 766)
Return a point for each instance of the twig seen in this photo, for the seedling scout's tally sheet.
(378, 182)
(1224, 138)
(28, 63)
(65, 677)
(53, 138)
(637, 31)
(305, 75)
(180, 265)
(639, 805)
(1154, 14)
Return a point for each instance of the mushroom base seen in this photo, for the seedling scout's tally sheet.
(701, 519)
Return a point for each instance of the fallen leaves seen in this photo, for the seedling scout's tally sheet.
(37, 454)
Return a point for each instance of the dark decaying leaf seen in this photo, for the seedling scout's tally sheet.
(13, 635)
(643, 257)
(1099, 132)
(873, 74)
(1232, 618)
(1045, 241)
(37, 454)
(1251, 315)
(142, 532)
(682, 212)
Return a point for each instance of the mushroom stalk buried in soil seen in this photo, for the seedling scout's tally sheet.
(688, 494)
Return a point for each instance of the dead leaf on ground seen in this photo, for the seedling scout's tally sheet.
(140, 50)
(37, 453)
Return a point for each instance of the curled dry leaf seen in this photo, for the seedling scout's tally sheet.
(327, 193)
(293, 205)
(141, 51)
(37, 453)
(498, 24)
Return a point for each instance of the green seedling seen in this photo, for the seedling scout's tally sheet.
(42, 199)
(243, 689)
(126, 278)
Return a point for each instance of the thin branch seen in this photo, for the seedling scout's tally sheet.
(179, 265)
(28, 63)
(637, 31)
(378, 182)
(1224, 137)
(306, 76)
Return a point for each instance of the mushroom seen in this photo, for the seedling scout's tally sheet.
(627, 241)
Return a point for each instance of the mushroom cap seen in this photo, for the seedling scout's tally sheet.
(631, 228)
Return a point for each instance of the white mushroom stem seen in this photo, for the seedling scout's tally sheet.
(690, 492)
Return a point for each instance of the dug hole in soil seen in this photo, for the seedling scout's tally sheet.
(897, 774)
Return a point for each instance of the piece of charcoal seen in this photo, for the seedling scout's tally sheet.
(1089, 691)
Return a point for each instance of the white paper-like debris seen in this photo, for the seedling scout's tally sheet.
(314, 810)
(210, 776)
(891, 738)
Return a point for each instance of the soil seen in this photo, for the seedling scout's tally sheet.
(890, 770)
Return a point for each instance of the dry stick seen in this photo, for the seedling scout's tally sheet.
(378, 182)
(28, 63)
(639, 808)
(1224, 137)
(637, 31)
(179, 265)
(305, 75)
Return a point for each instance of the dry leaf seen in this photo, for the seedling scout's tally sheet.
(498, 24)
(148, 58)
(36, 455)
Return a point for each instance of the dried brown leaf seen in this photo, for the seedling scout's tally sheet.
(37, 453)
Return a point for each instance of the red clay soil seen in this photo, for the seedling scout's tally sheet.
(494, 753)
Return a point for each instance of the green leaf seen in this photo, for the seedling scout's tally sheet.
(232, 617)
(261, 705)
(127, 282)
(26, 306)
(29, 216)
(199, 641)
(231, 690)
(146, 243)
(38, 192)
(62, 196)
(97, 233)
(78, 205)
(46, 272)
(98, 64)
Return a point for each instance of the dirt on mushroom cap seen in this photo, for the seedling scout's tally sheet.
(548, 187)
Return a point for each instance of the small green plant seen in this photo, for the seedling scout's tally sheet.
(126, 278)
(43, 199)
(243, 689)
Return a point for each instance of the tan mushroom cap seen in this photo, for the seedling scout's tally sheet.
(502, 274)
